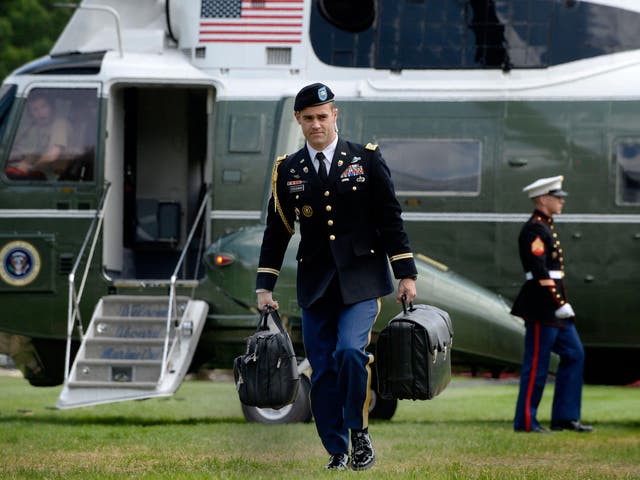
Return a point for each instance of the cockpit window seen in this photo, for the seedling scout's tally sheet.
(628, 160)
(56, 136)
(442, 167)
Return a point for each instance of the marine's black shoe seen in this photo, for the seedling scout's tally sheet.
(540, 430)
(535, 430)
(338, 461)
(362, 454)
(573, 425)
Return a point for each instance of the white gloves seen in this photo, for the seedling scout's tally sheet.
(565, 311)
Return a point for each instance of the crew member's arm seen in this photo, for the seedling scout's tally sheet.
(391, 227)
(58, 142)
(277, 233)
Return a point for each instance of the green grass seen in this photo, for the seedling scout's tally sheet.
(200, 433)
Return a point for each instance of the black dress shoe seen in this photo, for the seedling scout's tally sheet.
(540, 430)
(535, 430)
(338, 461)
(362, 454)
(573, 425)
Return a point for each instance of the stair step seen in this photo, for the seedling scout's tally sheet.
(127, 306)
(109, 348)
(117, 372)
(96, 384)
(116, 318)
(134, 328)
(126, 341)
(117, 361)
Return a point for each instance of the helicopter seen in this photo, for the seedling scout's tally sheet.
(130, 259)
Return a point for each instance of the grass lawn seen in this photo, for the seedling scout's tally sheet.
(200, 433)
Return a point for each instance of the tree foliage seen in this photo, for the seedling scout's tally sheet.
(28, 30)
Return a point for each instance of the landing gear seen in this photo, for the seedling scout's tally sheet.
(298, 411)
(380, 407)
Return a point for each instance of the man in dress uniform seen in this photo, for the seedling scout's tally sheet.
(343, 198)
(549, 317)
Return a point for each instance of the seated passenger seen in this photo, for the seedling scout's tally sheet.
(37, 152)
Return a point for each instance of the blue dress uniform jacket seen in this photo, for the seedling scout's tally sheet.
(348, 226)
(542, 260)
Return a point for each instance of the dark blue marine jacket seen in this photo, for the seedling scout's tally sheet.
(542, 260)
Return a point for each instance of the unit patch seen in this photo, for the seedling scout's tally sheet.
(20, 263)
(537, 246)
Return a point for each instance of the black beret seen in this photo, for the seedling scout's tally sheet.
(312, 95)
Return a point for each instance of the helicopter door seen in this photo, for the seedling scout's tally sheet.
(163, 177)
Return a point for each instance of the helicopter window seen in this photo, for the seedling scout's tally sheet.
(434, 166)
(352, 16)
(628, 159)
(469, 34)
(56, 136)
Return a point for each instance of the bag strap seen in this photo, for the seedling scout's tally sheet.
(264, 317)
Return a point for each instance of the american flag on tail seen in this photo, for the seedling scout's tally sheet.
(266, 21)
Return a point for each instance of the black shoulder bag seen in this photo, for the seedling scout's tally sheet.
(266, 376)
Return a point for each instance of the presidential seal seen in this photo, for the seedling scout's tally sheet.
(20, 263)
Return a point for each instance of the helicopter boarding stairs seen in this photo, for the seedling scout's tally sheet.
(135, 346)
(121, 356)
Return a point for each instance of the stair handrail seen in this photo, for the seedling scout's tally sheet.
(73, 312)
(173, 303)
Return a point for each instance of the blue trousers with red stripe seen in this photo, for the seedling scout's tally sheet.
(335, 337)
(540, 340)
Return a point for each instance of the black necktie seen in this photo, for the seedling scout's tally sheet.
(322, 169)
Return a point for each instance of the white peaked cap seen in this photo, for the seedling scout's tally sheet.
(546, 186)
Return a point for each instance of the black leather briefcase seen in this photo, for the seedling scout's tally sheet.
(413, 354)
(266, 376)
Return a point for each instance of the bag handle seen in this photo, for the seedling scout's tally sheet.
(264, 317)
(404, 305)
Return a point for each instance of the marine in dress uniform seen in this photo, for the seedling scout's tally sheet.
(549, 317)
(342, 196)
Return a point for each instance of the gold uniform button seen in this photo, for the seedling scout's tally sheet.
(332, 237)
(354, 188)
(555, 235)
(330, 223)
(372, 251)
(326, 193)
(328, 208)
